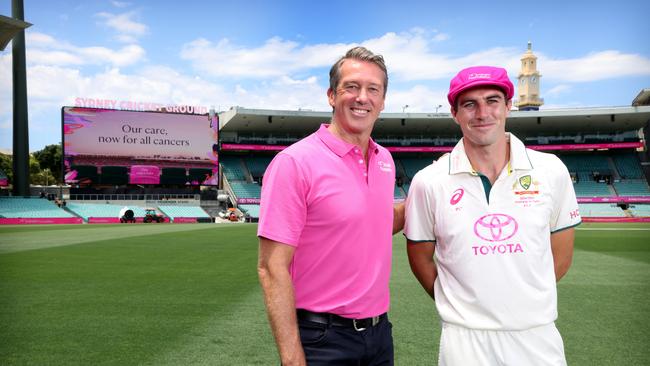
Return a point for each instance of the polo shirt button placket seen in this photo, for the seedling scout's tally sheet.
(361, 164)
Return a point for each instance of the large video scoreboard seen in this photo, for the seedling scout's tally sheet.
(117, 147)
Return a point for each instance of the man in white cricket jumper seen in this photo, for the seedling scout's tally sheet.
(500, 220)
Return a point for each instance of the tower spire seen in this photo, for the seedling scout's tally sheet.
(528, 85)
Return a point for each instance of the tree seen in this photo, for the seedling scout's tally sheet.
(6, 164)
(35, 176)
(50, 158)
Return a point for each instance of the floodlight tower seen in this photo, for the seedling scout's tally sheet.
(14, 29)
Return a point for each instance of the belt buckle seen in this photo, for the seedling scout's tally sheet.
(358, 329)
(373, 321)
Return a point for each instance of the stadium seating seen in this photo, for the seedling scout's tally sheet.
(252, 210)
(246, 190)
(413, 165)
(632, 187)
(30, 207)
(174, 212)
(588, 187)
(628, 166)
(399, 193)
(88, 210)
(586, 163)
(257, 164)
(640, 210)
(232, 168)
(600, 210)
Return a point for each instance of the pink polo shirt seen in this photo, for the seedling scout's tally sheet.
(318, 197)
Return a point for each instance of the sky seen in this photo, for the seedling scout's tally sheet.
(277, 54)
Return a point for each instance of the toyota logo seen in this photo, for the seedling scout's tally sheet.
(495, 227)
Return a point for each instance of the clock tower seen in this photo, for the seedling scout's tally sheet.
(528, 85)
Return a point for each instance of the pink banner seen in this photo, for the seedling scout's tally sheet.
(144, 174)
(616, 219)
(115, 220)
(627, 199)
(613, 145)
(103, 220)
(252, 147)
(419, 148)
(248, 200)
(48, 220)
(185, 219)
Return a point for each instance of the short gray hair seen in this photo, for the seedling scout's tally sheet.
(361, 54)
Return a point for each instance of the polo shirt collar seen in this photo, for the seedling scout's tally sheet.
(518, 155)
(338, 146)
(459, 162)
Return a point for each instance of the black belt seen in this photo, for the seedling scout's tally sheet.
(339, 321)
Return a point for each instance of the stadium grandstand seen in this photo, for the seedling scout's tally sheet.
(603, 148)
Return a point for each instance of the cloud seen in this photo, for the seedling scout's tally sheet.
(558, 90)
(127, 29)
(120, 4)
(284, 93)
(419, 98)
(440, 37)
(40, 39)
(46, 50)
(276, 57)
(408, 56)
(594, 66)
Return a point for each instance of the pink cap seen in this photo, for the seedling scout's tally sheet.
(479, 75)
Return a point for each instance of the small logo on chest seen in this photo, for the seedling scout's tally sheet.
(384, 166)
(525, 185)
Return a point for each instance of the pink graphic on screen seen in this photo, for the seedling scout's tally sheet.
(144, 174)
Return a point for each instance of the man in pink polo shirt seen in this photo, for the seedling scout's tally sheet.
(326, 225)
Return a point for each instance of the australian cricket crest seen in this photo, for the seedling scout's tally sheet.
(525, 182)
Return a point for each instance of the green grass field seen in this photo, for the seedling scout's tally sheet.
(187, 294)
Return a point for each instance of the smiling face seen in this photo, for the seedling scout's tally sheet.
(358, 98)
(481, 114)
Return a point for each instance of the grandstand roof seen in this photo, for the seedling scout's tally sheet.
(643, 98)
(592, 120)
(9, 27)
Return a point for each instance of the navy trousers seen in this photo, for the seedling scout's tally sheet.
(344, 346)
